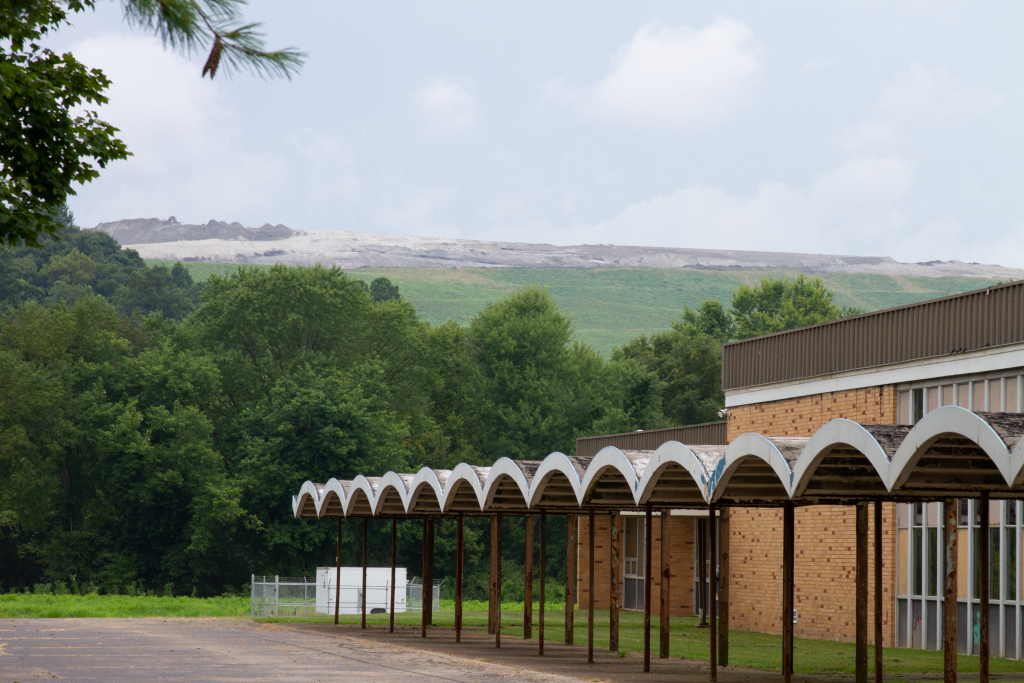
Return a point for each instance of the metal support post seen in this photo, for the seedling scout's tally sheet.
(648, 542)
(570, 578)
(277, 594)
(497, 587)
(543, 578)
(428, 580)
(983, 561)
(879, 640)
(337, 576)
(394, 557)
(493, 574)
(460, 552)
(424, 606)
(723, 588)
(701, 544)
(788, 558)
(861, 656)
(528, 592)
(950, 594)
(613, 593)
(713, 591)
(665, 604)
(366, 533)
(590, 592)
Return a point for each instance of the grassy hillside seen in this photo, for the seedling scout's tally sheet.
(612, 306)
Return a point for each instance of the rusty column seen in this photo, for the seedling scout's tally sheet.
(428, 586)
(460, 554)
(950, 594)
(665, 605)
(590, 593)
(394, 557)
(879, 639)
(700, 546)
(497, 587)
(713, 591)
(528, 598)
(543, 579)
(861, 658)
(723, 588)
(570, 577)
(613, 592)
(983, 562)
(366, 534)
(493, 573)
(788, 558)
(337, 576)
(649, 517)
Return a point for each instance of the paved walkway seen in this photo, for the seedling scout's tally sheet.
(130, 650)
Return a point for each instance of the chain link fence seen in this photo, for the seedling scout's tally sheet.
(304, 596)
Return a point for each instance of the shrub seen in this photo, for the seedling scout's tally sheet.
(60, 588)
(169, 589)
(42, 589)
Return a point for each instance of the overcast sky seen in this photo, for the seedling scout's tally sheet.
(883, 128)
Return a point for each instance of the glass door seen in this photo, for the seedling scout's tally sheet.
(633, 563)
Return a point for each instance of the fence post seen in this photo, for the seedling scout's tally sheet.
(252, 596)
(277, 593)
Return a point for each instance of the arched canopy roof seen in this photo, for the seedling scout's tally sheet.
(950, 452)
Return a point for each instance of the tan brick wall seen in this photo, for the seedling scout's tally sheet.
(681, 559)
(804, 416)
(825, 569)
(825, 535)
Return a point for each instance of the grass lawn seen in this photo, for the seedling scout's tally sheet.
(758, 650)
(611, 306)
(24, 605)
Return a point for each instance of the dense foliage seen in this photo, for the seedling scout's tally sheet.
(152, 431)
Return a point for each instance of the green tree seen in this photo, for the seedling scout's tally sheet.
(534, 382)
(381, 289)
(687, 362)
(774, 305)
(50, 139)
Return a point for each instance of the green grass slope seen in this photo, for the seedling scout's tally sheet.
(611, 306)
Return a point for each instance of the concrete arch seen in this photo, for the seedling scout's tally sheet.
(503, 468)
(463, 475)
(391, 481)
(425, 479)
(555, 463)
(951, 421)
(361, 487)
(333, 493)
(609, 458)
(667, 454)
(834, 433)
(745, 447)
(308, 501)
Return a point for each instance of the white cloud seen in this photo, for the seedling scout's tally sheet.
(678, 76)
(916, 96)
(852, 209)
(190, 156)
(446, 106)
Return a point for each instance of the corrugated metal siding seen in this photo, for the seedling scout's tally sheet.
(941, 327)
(706, 434)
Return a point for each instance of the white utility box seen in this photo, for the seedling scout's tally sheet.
(350, 598)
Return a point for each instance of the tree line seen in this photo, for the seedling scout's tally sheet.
(153, 429)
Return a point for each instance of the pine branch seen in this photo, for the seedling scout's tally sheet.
(189, 25)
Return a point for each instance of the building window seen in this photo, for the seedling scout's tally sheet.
(916, 406)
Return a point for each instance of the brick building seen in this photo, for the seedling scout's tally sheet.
(885, 368)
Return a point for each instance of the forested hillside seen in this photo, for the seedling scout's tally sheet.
(153, 430)
(612, 306)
